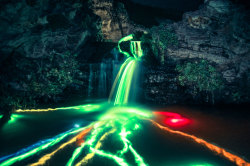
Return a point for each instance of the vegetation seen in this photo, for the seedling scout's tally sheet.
(162, 37)
(54, 74)
(201, 77)
(156, 41)
(40, 79)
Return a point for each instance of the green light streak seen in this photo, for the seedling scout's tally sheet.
(123, 136)
(86, 108)
(125, 120)
(125, 83)
(14, 118)
(127, 75)
(125, 113)
(117, 77)
(93, 137)
(128, 145)
(118, 160)
(138, 159)
(204, 164)
(75, 154)
(135, 48)
(126, 38)
(42, 147)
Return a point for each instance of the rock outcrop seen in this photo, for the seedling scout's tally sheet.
(38, 28)
(220, 33)
(115, 21)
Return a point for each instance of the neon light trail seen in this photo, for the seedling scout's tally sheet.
(112, 135)
(220, 151)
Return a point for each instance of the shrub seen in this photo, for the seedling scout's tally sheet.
(200, 76)
(38, 80)
(162, 37)
(54, 74)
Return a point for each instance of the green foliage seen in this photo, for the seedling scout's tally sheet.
(54, 74)
(163, 36)
(201, 76)
(17, 101)
(237, 96)
(156, 41)
(38, 80)
(146, 39)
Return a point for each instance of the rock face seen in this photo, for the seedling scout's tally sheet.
(217, 32)
(38, 28)
(220, 33)
(160, 85)
(115, 22)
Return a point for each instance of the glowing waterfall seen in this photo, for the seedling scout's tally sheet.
(123, 90)
(126, 73)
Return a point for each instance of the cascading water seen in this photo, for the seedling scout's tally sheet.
(126, 72)
(115, 63)
(102, 86)
(90, 80)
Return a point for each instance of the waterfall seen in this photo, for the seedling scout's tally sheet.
(102, 86)
(126, 73)
(123, 79)
(123, 90)
(115, 69)
(90, 80)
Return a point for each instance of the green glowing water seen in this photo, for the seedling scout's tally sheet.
(127, 70)
(123, 90)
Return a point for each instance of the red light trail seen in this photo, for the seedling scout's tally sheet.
(172, 119)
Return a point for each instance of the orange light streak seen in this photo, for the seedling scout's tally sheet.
(220, 151)
(46, 157)
(79, 139)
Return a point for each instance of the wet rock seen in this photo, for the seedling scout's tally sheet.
(115, 21)
(221, 6)
(229, 75)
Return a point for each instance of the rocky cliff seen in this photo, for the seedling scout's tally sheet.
(217, 32)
